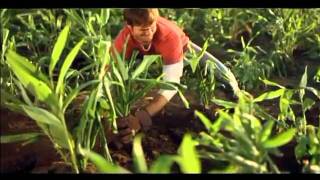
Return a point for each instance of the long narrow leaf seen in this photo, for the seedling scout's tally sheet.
(188, 154)
(267, 128)
(25, 65)
(138, 155)
(303, 83)
(102, 164)
(280, 139)
(37, 87)
(144, 65)
(67, 63)
(50, 124)
(120, 63)
(270, 83)
(269, 95)
(226, 104)
(19, 137)
(206, 122)
(58, 48)
(75, 92)
(162, 164)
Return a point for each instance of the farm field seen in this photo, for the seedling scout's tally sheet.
(253, 109)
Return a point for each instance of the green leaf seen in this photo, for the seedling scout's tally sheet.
(244, 162)
(314, 140)
(303, 83)
(25, 73)
(314, 91)
(5, 34)
(261, 113)
(206, 122)
(101, 163)
(216, 126)
(144, 65)
(105, 14)
(301, 148)
(266, 131)
(75, 92)
(184, 100)
(254, 122)
(162, 164)
(58, 48)
(162, 85)
(226, 117)
(280, 139)
(120, 65)
(107, 90)
(308, 103)
(189, 161)
(155, 82)
(225, 73)
(195, 61)
(103, 54)
(226, 104)
(24, 94)
(269, 95)
(270, 83)
(138, 155)
(19, 137)
(49, 123)
(8, 97)
(24, 64)
(304, 78)
(66, 65)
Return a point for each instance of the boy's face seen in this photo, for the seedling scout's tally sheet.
(144, 34)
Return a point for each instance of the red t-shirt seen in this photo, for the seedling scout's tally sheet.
(168, 41)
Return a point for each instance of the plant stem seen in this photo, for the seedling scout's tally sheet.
(70, 143)
(272, 165)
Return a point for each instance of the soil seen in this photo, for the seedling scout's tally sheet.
(163, 138)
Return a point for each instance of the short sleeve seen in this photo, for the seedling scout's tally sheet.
(172, 49)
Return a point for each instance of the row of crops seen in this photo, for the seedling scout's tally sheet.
(52, 59)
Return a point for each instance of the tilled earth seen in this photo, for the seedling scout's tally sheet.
(40, 156)
(163, 138)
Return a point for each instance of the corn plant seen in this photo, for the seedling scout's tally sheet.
(287, 100)
(6, 76)
(30, 33)
(239, 141)
(33, 30)
(307, 136)
(307, 150)
(247, 67)
(95, 108)
(126, 82)
(292, 27)
(90, 25)
(202, 77)
(50, 99)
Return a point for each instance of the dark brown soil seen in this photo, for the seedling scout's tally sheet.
(163, 138)
(23, 158)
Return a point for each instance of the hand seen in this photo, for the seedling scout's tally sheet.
(130, 125)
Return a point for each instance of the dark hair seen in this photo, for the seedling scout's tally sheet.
(140, 16)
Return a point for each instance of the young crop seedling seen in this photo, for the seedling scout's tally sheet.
(50, 98)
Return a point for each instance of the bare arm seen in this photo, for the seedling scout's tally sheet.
(172, 73)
